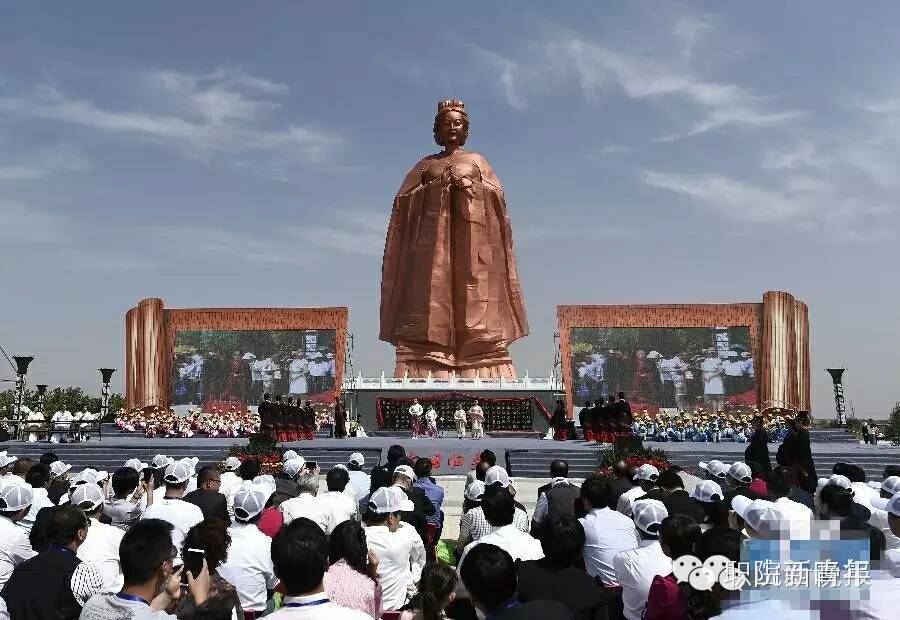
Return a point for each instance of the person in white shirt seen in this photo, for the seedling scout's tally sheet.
(38, 477)
(713, 386)
(635, 569)
(645, 476)
(249, 565)
(337, 504)
(130, 498)
(459, 418)
(476, 414)
(359, 480)
(15, 548)
(499, 508)
(307, 504)
(300, 558)
(891, 507)
(151, 580)
(101, 547)
(607, 532)
(400, 551)
(182, 515)
(415, 418)
(431, 418)
(229, 478)
(795, 514)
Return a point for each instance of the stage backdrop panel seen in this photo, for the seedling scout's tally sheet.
(224, 368)
(775, 332)
(665, 368)
(159, 341)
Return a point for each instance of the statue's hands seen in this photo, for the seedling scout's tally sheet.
(462, 184)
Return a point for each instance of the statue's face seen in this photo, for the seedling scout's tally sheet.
(451, 129)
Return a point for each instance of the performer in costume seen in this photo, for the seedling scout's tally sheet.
(477, 415)
(431, 418)
(415, 418)
(459, 417)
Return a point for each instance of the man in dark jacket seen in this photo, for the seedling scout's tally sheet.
(583, 418)
(404, 476)
(266, 414)
(624, 480)
(41, 588)
(382, 475)
(555, 499)
(798, 454)
(207, 496)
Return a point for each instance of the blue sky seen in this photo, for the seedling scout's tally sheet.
(234, 154)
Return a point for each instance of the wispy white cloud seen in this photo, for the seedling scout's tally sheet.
(42, 164)
(350, 232)
(202, 115)
(21, 224)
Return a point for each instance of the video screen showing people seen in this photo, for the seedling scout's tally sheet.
(671, 369)
(224, 368)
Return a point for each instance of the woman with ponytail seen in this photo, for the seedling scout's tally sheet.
(436, 590)
(352, 578)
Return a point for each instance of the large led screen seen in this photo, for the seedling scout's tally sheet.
(236, 367)
(682, 368)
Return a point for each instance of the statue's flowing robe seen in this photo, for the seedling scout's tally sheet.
(450, 292)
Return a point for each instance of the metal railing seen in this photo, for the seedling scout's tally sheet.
(383, 382)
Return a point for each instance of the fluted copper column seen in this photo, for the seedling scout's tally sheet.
(778, 368)
(146, 376)
(801, 343)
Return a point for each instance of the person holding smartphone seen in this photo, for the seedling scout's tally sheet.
(206, 544)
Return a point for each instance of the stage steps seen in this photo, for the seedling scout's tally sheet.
(112, 431)
(536, 463)
(831, 435)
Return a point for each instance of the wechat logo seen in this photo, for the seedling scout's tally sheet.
(704, 575)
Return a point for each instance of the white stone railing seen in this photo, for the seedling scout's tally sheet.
(383, 382)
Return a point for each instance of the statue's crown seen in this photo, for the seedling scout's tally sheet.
(451, 104)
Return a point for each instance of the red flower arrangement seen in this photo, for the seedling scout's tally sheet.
(633, 457)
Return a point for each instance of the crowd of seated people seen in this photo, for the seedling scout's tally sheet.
(168, 539)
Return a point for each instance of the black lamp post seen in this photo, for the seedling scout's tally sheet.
(836, 374)
(22, 362)
(106, 374)
(41, 390)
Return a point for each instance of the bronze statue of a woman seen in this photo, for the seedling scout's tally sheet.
(450, 295)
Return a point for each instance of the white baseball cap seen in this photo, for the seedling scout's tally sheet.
(707, 491)
(891, 505)
(89, 476)
(740, 472)
(87, 494)
(287, 456)
(16, 497)
(136, 464)
(294, 466)
(357, 459)
(161, 461)
(837, 479)
(178, 472)
(891, 485)
(714, 468)
(387, 500)
(649, 515)
(58, 468)
(405, 470)
(496, 474)
(646, 472)
(190, 461)
(232, 463)
(7, 459)
(248, 502)
(265, 485)
(475, 491)
(760, 514)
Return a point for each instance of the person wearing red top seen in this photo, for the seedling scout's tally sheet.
(665, 600)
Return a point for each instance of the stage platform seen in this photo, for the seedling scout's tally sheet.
(523, 457)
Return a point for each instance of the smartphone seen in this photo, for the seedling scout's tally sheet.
(311, 465)
(193, 561)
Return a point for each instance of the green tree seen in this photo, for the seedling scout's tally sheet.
(893, 426)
